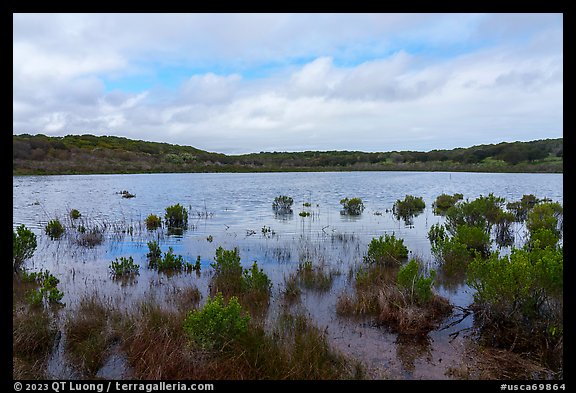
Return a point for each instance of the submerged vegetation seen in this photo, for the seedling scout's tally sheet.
(74, 154)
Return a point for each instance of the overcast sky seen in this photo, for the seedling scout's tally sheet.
(239, 83)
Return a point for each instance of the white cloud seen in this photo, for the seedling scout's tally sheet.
(367, 84)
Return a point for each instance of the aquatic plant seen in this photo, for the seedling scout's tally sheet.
(23, 246)
(176, 217)
(227, 272)
(315, 277)
(304, 214)
(521, 208)
(352, 206)
(75, 214)
(282, 204)
(153, 222)
(124, 267)
(409, 206)
(47, 290)
(386, 250)
(54, 229)
(444, 202)
(154, 254)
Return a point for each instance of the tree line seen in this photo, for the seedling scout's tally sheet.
(41, 154)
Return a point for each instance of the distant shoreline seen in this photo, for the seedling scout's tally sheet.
(89, 154)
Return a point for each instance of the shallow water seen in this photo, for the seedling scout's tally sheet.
(231, 210)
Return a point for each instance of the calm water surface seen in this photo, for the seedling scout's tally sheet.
(231, 210)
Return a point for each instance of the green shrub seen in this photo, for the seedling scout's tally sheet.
(47, 289)
(75, 214)
(547, 215)
(255, 280)
(23, 246)
(517, 286)
(474, 238)
(521, 208)
(408, 207)
(54, 229)
(352, 207)
(176, 217)
(170, 261)
(153, 222)
(154, 254)
(482, 212)
(123, 267)
(217, 324)
(386, 250)
(419, 287)
(282, 204)
(304, 214)
(227, 272)
(444, 202)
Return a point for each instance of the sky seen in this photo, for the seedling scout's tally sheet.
(242, 83)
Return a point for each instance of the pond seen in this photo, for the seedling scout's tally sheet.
(235, 210)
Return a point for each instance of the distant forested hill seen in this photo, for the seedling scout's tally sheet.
(76, 154)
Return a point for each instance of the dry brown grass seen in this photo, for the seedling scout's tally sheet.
(377, 294)
(89, 333)
(481, 363)
(398, 312)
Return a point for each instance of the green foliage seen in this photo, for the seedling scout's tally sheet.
(304, 214)
(543, 238)
(123, 267)
(282, 204)
(23, 246)
(217, 324)
(54, 229)
(386, 250)
(153, 222)
(519, 285)
(170, 261)
(419, 287)
(548, 216)
(482, 212)
(154, 254)
(474, 238)
(521, 208)
(352, 207)
(176, 217)
(47, 291)
(75, 214)
(444, 202)
(256, 281)
(227, 271)
(410, 206)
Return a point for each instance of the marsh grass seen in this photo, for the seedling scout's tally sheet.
(378, 294)
(34, 333)
(316, 277)
(158, 347)
(90, 333)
